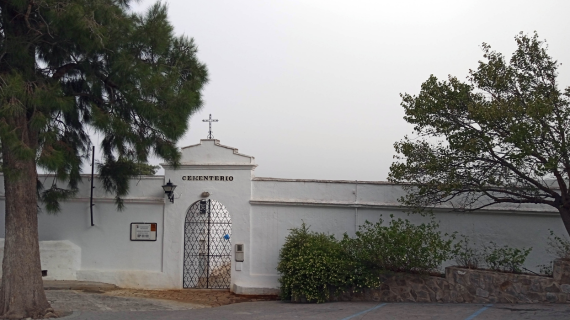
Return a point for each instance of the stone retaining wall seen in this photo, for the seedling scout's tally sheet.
(471, 286)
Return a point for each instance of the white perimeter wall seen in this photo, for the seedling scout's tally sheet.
(106, 252)
(263, 210)
(337, 207)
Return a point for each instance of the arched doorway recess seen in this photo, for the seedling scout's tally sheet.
(207, 246)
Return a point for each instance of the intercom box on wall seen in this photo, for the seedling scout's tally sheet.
(239, 252)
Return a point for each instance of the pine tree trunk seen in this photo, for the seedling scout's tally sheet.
(22, 294)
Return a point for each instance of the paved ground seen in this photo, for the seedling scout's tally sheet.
(64, 301)
(95, 301)
(343, 311)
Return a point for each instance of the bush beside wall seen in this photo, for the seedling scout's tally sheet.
(396, 261)
(314, 266)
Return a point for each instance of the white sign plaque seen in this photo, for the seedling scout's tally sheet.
(142, 231)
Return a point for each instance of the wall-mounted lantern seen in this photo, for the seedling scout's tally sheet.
(169, 190)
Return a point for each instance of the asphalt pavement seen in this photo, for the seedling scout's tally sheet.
(339, 311)
(95, 301)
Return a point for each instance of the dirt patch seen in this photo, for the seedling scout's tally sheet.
(211, 298)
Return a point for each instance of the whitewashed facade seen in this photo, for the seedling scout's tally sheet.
(262, 210)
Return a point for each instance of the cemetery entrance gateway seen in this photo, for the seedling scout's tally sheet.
(207, 246)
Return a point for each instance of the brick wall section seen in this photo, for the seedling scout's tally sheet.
(471, 286)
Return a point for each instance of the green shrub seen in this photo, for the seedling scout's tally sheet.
(558, 246)
(505, 258)
(496, 258)
(400, 247)
(313, 264)
(467, 255)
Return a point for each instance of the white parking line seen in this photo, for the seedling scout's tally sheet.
(478, 312)
(365, 311)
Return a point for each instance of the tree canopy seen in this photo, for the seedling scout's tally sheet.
(68, 70)
(502, 136)
(92, 66)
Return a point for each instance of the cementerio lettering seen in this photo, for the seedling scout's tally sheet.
(207, 178)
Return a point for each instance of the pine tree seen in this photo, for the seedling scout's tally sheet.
(72, 67)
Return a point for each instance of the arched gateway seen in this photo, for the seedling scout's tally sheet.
(200, 234)
(207, 246)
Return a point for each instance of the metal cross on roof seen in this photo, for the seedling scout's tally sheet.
(210, 136)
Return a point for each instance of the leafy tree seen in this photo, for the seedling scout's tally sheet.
(72, 67)
(501, 137)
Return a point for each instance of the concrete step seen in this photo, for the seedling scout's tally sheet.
(89, 286)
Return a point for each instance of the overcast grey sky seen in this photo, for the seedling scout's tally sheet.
(311, 88)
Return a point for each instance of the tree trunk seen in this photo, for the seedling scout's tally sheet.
(565, 215)
(22, 294)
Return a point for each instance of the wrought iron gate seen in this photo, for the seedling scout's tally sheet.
(207, 246)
